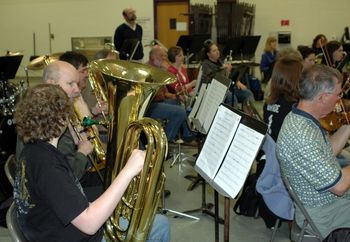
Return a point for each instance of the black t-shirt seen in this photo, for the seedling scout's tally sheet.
(274, 115)
(48, 196)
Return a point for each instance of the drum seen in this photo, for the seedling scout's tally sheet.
(9, 92)
(8, 137)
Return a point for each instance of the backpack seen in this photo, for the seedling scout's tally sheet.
(248, 202)
(255, 86)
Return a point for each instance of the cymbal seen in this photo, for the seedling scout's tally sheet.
(14, 53)
(42, 61)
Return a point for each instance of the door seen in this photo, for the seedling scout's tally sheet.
(171, 21)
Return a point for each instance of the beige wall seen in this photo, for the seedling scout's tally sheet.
(73, 18)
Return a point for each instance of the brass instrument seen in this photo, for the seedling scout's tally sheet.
(98, 156)
(99, 90)
(187, 99)
(111, 47)
(131, 86)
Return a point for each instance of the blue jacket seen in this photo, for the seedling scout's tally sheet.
(270, 184)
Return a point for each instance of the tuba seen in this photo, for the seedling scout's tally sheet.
(130, 88)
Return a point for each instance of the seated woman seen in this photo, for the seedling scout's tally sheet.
(308, 55)
(50, 202)
(284, 89)
(183, 87)
(334, 53)
(318, 43)
(211, 65)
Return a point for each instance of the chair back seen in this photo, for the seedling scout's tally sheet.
(307, 220)
(10, 168)
(13, 225)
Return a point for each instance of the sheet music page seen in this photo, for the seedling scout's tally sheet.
(238, 160)
(218, 140)
(197, 102)
(215, 96)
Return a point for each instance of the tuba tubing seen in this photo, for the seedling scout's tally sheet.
(130, 88)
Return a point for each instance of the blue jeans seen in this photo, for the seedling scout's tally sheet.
(160, 231)
(172, 112)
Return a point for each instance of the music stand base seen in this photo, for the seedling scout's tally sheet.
(178, 214)
(196, 180)
(206, 209)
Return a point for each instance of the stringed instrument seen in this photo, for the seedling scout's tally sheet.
(335, 119)
(339, 116)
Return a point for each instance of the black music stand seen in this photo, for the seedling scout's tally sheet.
(9, 66)
(242, 47)
(191, 46)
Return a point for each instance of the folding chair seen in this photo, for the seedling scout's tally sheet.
(274, 187)
(10, 168)
(300, 234)
(13, 226)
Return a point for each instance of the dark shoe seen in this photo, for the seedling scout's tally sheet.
(166, 193)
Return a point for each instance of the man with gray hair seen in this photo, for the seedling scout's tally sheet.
(307, 154)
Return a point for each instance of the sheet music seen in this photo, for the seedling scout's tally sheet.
(218, 141)
(215, 95)
(238, 160)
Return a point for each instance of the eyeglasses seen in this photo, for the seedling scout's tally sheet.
(339, 95)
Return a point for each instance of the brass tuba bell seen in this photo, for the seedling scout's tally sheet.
(130, 88)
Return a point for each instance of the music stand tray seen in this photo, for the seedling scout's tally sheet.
(9, 66)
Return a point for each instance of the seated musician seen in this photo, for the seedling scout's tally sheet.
(334, 53)
(307, 154)
(318, 43)
(51, 205)
(308, 55)
(183, 86)
(79, 61)
(211, 65)
(76, 152)
(166, 105)
(283, 92)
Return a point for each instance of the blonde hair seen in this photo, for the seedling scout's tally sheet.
(269, 40)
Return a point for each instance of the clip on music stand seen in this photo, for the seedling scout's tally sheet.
(242, 47)
(9, 66)
(191, 45)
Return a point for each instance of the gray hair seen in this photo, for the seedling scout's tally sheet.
(318, 79)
